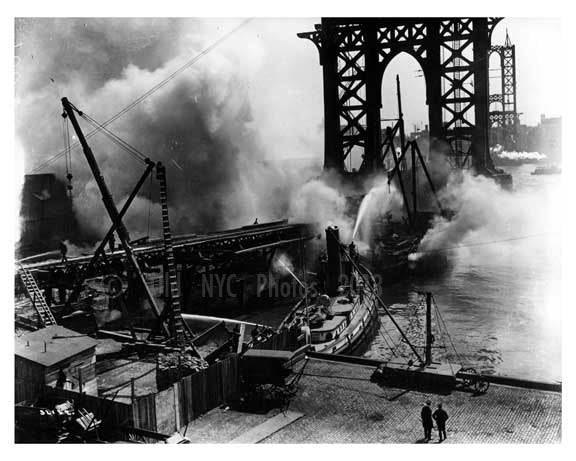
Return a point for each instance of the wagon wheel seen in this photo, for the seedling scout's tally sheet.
(469, 381)
(481, 387)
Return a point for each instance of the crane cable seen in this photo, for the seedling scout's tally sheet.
(147, 94)
(68, 156)
(135, 153)
(441, 321)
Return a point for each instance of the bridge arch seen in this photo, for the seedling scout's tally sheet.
(452, 53)
(412, 81)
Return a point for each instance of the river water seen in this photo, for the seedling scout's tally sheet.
(500, 296)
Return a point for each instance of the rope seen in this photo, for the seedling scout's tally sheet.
(155, 88)
(381, 331)
(122, 385)
(442, 340)
(439, 315)
(522, 237)
(68, 144)
(64, 139)
(135, 153)
(69, 159)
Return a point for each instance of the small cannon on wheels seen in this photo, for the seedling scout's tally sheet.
(469, 379)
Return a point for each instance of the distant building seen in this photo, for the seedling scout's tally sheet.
(46, 214)
(545, 138)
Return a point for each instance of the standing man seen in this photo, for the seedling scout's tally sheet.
(63, 251)
(426, 415)
(440, 416)
(112, 243)
(61, 381)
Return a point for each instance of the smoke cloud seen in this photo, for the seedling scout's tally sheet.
(227, 155)
(317, 202)
(489, 220)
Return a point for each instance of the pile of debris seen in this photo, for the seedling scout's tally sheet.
(173, 366)
(59, 423)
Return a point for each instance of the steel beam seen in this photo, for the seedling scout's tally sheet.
(354, 53)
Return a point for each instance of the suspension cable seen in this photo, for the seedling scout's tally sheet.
(147, 94)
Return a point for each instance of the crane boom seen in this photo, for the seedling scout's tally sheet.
(111, 209)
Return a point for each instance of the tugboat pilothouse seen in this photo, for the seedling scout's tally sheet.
(341, 316)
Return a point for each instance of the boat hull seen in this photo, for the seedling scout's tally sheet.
(357, 344)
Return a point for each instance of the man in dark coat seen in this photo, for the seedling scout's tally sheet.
(61, 381)
(63, 251)
(440, 416)
(426, 415)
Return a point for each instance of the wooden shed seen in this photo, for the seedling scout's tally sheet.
(42, 356)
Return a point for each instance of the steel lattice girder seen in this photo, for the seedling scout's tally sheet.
(216, 248)
(354, 53)
(507, 116)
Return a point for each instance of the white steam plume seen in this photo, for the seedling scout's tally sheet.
(487, 219)
(379, 200)
(521, 155)
(316, 202)
(213, 127)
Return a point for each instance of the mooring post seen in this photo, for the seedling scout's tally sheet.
(414, 185)
(429, 337)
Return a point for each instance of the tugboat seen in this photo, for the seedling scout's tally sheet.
(394, 239)
(340, 314)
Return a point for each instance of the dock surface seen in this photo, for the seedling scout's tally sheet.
(268, 427)
(341, 405)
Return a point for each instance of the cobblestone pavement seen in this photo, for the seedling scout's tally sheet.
(341, 405)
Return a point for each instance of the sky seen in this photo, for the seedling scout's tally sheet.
(231, 123)
(538, 64)
(284, 83)
(283, 75)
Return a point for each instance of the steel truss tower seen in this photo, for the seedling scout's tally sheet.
(453, 54)
(507, 118)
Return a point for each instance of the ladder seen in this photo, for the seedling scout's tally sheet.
(37, 298)
(173, 291)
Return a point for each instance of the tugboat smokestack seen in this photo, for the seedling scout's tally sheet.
(334, 268)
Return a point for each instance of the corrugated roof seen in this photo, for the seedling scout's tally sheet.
(61, 344)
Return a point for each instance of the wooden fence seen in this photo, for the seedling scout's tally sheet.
(163, 412)
(26, 389)
(167, 411)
